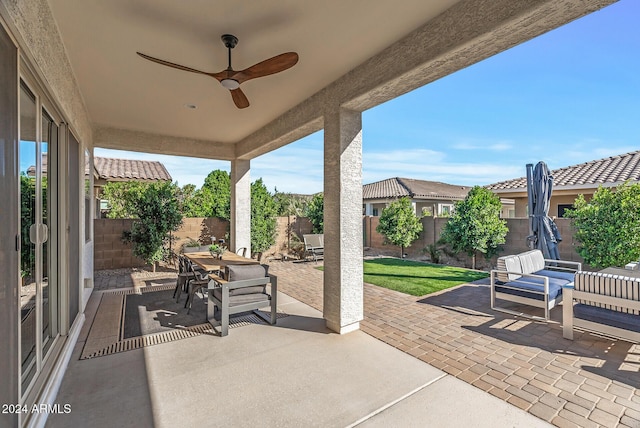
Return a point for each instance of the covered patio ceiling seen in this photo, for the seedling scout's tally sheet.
(354, 54)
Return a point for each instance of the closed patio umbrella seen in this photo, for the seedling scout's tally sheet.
(544, 232)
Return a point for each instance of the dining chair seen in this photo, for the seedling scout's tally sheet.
(183, 274)
(198, 281)
(242, 251)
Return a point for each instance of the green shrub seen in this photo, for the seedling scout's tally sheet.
(608, 226)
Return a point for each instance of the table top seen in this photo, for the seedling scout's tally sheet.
(207, 262)
(622, 272)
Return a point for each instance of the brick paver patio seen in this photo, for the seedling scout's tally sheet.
(589, 382)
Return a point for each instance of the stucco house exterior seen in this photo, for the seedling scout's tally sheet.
(571, 181)
(71, 81)
(428, 197)
(107, 170)
(112, 169)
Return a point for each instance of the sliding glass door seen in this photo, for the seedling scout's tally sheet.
(39, 297)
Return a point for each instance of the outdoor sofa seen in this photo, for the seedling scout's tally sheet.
(602, 303)
(530, 279)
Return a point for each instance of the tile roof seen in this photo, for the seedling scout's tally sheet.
(127, 169)
(396, 187)
(614, 169)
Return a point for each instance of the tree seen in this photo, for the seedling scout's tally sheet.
(315, 212)
(158, 214)
(399, 224)
(475, 225)
(263, 217)
(290, 204)
(213, 199)
(608, 226)
(185, 196)
(121, 197)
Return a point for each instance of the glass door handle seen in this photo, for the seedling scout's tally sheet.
(33, 235)
(44, 233)
(43, 230)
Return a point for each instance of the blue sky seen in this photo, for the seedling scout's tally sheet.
(569, 96)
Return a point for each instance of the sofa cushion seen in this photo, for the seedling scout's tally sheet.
(532, 288)
(569, 276)
(244, 272)
(608, 317)
(511, 264)
(531, 261)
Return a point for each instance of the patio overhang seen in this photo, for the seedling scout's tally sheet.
(78, 61)
(120, 99)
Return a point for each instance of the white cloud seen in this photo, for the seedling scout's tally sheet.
(491, 145)
(434, 166)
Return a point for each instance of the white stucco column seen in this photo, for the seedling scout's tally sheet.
(240, 205)
(343, 289)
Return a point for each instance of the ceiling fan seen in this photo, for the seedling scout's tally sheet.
(232, 79)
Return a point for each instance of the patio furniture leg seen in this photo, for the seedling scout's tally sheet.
(224, 312)
(567, 312)
(274, 299)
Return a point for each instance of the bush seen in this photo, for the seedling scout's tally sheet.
(314, 211)
(263, 217)
(158, 215)
(608, 226)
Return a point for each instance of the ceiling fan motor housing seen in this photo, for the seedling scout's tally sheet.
(230, 41)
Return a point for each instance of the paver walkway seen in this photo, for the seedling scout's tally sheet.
(588, 382)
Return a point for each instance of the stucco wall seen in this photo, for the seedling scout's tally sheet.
(521, 203)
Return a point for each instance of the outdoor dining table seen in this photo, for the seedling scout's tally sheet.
(210, 263)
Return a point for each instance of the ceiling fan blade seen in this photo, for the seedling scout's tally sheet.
(269, 66)
(239, 98)
(171, 64)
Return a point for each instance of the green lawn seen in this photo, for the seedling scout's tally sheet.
(416, 278)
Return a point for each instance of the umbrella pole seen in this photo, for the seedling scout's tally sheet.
(530, 202)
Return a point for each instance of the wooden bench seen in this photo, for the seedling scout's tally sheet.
(602, 303)
(314, 245)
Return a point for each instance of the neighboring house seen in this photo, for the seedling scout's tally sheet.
(111, 169)
(427, 197)
(571, 181)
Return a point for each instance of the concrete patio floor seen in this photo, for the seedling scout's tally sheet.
(449, 353)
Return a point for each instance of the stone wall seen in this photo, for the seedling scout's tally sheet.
(432, 228)
(111, 253)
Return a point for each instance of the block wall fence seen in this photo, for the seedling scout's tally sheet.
(111, 253)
